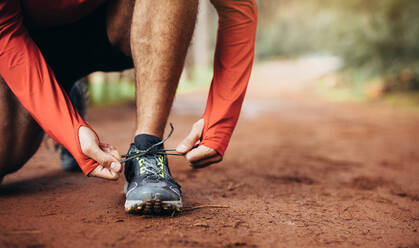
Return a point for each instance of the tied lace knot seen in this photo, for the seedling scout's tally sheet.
(152, 150)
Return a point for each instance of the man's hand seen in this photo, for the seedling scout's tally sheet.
(107, 156)
(198, 156)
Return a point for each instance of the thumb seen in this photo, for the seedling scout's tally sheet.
(105, 159)
(194, 135)
(105, 173)
(109, 167)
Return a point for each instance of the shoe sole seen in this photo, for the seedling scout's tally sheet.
(153, 205)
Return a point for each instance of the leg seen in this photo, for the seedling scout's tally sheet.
(159, 38)
(19, 133)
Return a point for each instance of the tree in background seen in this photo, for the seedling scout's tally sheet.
(376, 38)
(381, 38)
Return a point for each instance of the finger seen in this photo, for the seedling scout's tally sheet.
(205, 162)
(193, 137)
(104, 173)
(102, 157)
(109, 166)
(116, 167)
(115, 154)
(105, 146)
(110, 149)
(107, 161)
(200, 153)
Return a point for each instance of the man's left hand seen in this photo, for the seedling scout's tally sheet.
(198, 156)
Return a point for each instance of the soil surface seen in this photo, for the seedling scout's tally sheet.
(299, 172)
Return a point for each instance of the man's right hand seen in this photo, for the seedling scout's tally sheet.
(198, 156)
(106, 155)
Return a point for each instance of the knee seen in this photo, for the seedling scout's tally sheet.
(15, 156)
(20, 134)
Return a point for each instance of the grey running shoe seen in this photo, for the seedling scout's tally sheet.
(150, 187)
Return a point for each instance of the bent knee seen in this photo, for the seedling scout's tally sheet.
(14, 156)
(20, 134)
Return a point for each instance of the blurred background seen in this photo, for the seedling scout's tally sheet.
(325, 153)
(369, 50)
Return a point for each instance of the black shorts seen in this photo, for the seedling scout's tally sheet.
(75, 50)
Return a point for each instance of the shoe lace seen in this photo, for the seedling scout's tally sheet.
(153, 170)
(152, 150)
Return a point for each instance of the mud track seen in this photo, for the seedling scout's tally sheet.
(300, 172)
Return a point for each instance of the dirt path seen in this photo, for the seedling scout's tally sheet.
(300, 172)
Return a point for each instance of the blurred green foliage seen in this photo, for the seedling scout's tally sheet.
(375, 38)
(111, 92)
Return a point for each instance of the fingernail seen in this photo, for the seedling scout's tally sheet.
(114, 165)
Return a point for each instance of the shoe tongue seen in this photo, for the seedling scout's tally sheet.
(144, 141)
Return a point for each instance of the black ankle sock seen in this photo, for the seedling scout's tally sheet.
(144, 141)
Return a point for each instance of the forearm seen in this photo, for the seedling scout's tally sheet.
(25, 71)
(232, 67)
